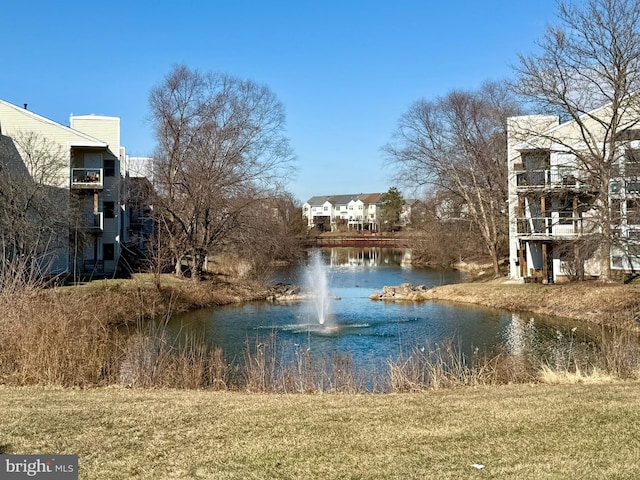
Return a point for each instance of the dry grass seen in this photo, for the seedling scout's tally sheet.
(609, 304)
(547, 432)
(443, 366)
(120, 301)
(73, 336)
(68, 337)
(550, 376)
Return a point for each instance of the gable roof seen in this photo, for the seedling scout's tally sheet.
(344, 199)
(370, 198)
(318, 200)
(9, 111)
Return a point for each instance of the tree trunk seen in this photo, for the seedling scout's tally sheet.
(178, 266)
(495, 261)
(605, 263)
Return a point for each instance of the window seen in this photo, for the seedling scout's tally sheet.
(614, 187)
(633, 212)
(109, 168)
(108, 251)
(632, 163)
(536, 160)
(633, 250)
(629, 134)
(109, 209)
(326, 209)
(632, 187)
(536, 168)
(565, 211)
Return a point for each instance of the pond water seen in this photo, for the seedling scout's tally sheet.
(373, 332)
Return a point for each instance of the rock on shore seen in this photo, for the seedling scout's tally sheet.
(282, 292)
(405, 292)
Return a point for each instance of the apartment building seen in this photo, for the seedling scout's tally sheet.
(555, 204)
(90, 180)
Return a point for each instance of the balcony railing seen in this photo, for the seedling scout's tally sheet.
(528, 179)
(550, 227)
(94, 221)
(86, 178)
(93, 266)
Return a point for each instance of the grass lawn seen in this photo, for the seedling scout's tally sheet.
(519, 431)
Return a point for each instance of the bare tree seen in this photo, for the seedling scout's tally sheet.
(46, 161)
(588, 71)
(458, 144)
(220, 150)
(272, 232)
(34, 213)
(441, 235)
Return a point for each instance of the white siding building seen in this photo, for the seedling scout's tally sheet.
(352, 211)
(91, 177)
(553, 204)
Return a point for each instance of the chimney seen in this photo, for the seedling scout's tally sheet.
(25, 106)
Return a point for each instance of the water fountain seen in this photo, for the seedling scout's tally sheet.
(317, 284)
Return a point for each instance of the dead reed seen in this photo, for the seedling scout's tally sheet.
(68, 337)
(443, 365)
(273, 368)
(68, 351)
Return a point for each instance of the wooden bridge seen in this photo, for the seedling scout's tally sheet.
(352, 241)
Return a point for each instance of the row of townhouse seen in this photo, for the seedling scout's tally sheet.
(553, 203)
(360, 211)
(355, 211)
(94, 179)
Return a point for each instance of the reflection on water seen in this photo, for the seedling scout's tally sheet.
(367, 257)
(375, 332)
(558, 346)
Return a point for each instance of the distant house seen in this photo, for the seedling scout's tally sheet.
(412, 210)
(350, 211)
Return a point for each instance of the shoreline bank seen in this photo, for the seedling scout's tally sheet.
(603, 304)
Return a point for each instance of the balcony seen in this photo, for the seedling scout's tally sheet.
(94, 222)
(137, 221)
(87, 178)
(93, 266)
(554, 227)
(549, 179)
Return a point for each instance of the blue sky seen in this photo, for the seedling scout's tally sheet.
(344, 70)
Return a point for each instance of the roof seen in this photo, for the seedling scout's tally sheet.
(81, 139)
(370, 198)
(343, 199)
(319, 200)
(545, 137)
